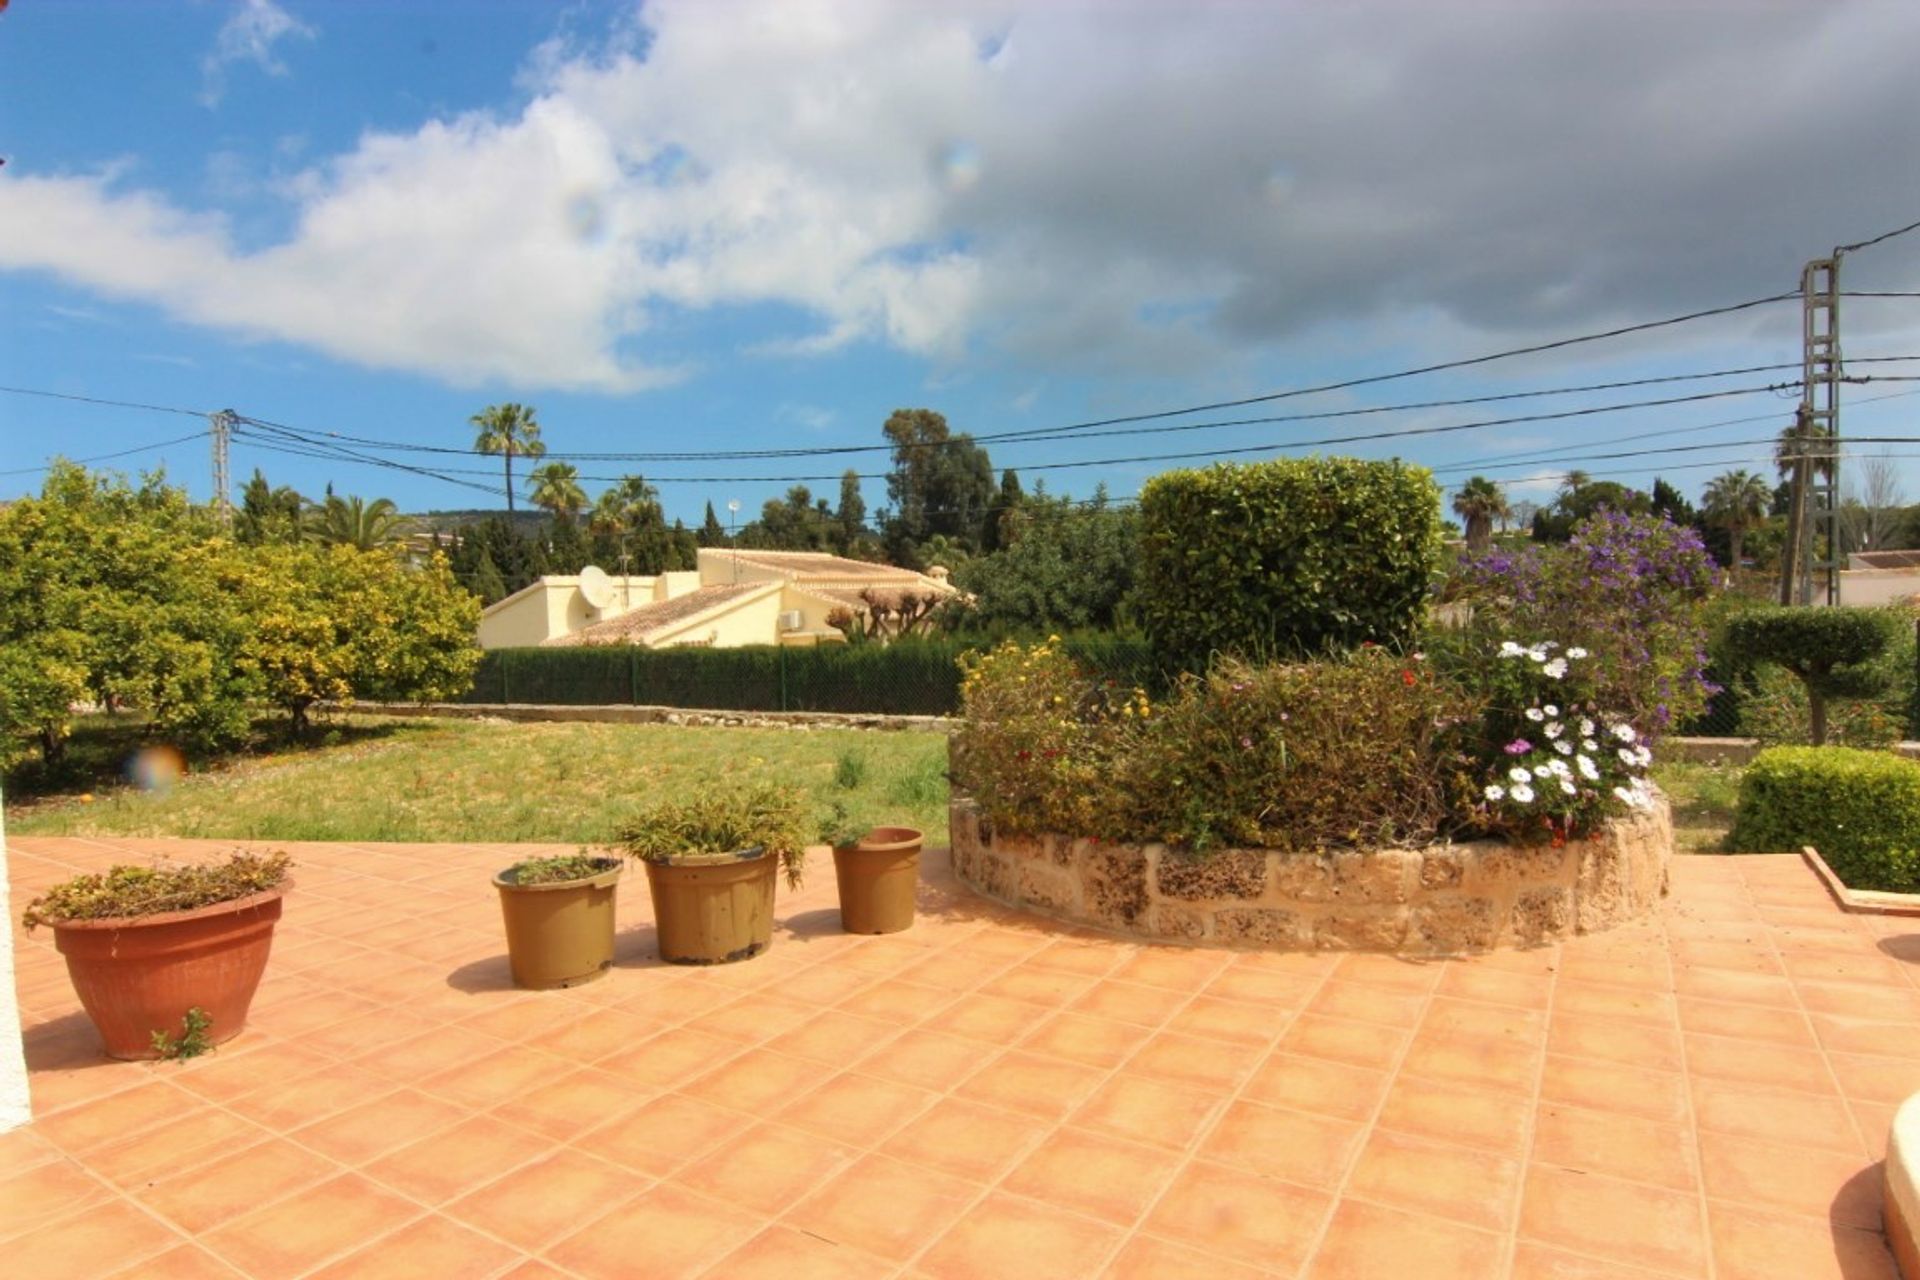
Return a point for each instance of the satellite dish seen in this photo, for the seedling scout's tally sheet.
(596, 586)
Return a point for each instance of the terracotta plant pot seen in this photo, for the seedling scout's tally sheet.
(713, 908)
(558, 934)
(136, 975)
(877, 877)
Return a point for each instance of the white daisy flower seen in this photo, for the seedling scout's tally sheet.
(1508, 649)
(1576, 653)
(1519, 774)
(1587, 770)
(1535, 714)
(1568, 787)
(1624, 732)
(1523, 794)
(1589, 745)
(1642, 756)
(1556, 669)
(1626, 796)
(1538, 653)
(1564, 747)
(1551, 710)
(1542, 771)
(1495, 791)
(1626, 756)
(1586, 727)
(1555, 729)
(1558, 768)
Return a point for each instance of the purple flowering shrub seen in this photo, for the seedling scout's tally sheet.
(1630, 590)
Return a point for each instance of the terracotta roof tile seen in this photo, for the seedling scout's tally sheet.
(637, 626)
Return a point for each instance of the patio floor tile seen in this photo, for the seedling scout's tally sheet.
(1366, 1241)
(1702, 1094)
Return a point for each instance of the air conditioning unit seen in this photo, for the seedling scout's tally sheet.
(791, 620)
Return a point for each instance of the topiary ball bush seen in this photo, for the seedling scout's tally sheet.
(1860, 809)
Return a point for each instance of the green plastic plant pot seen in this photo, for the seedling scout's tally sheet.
(559, 934)
(878, 875)
(713, 908)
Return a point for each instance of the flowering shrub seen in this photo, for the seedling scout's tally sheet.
(1630, 589)
(1558, 762)
(1371, 749)
(1037, 744)
(1293, 756)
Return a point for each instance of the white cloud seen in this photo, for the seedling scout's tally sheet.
(1137, 190)
(249, 35)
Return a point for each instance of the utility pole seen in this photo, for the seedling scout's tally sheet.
(1818, 481)
(222, 424)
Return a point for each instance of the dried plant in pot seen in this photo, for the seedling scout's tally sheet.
(559, 918)
(711, 859)
(878, 869)
(152, 949)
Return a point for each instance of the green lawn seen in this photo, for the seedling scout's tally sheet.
(1705, 797)
(446, 780)
(370, 778)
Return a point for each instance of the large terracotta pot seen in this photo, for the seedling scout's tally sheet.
(713, 908)
(559, 934)
(137, 975)
(877, 877)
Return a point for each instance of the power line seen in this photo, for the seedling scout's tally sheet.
(117, 404)
(1040, 435)
(1398, 433)
(108, 457)
(1866, 244)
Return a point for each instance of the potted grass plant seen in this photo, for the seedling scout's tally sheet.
(711, 860)
(559, 918)
(877, 868)
(151, 949)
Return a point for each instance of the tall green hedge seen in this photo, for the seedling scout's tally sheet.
(916, 676)
(1860, 809)
(1290, 557)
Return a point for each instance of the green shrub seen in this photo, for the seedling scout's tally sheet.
(1293, 756)
(1860, 809)
(1832, 651)
(1287, 558)
(147, 891)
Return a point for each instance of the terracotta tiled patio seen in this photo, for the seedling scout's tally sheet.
(1706, 1095)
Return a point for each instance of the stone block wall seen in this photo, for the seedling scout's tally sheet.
(1439, 900)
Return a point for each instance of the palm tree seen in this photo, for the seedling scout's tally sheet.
(509, 430)
(1573, 482)
(1737, 502)
(1480, 502)
(350, 522)
(555, 486)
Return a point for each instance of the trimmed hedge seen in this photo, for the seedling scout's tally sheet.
(915, 676)
(1860, 809)
(1288, 558)
(1830, 650)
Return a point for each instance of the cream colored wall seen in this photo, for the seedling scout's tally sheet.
(813, 610)
(16, 1105)
(1866, 587)
(752, 621)
(525, 619)
(555, 607)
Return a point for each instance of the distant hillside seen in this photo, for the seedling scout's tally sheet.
(447, 521)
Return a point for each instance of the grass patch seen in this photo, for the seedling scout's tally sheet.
(1705, 799)
(450, 780)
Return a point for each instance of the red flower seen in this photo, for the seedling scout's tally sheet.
(1408, 679)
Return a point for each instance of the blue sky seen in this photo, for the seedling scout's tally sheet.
(735, 226)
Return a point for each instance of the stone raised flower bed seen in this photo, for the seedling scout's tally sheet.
(1441, 899)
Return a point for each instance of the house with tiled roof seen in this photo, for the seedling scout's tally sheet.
(1880, 577)
(734, 598)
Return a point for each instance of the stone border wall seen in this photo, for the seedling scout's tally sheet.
(1440, 900)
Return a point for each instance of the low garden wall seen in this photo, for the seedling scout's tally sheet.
(1441, 899)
